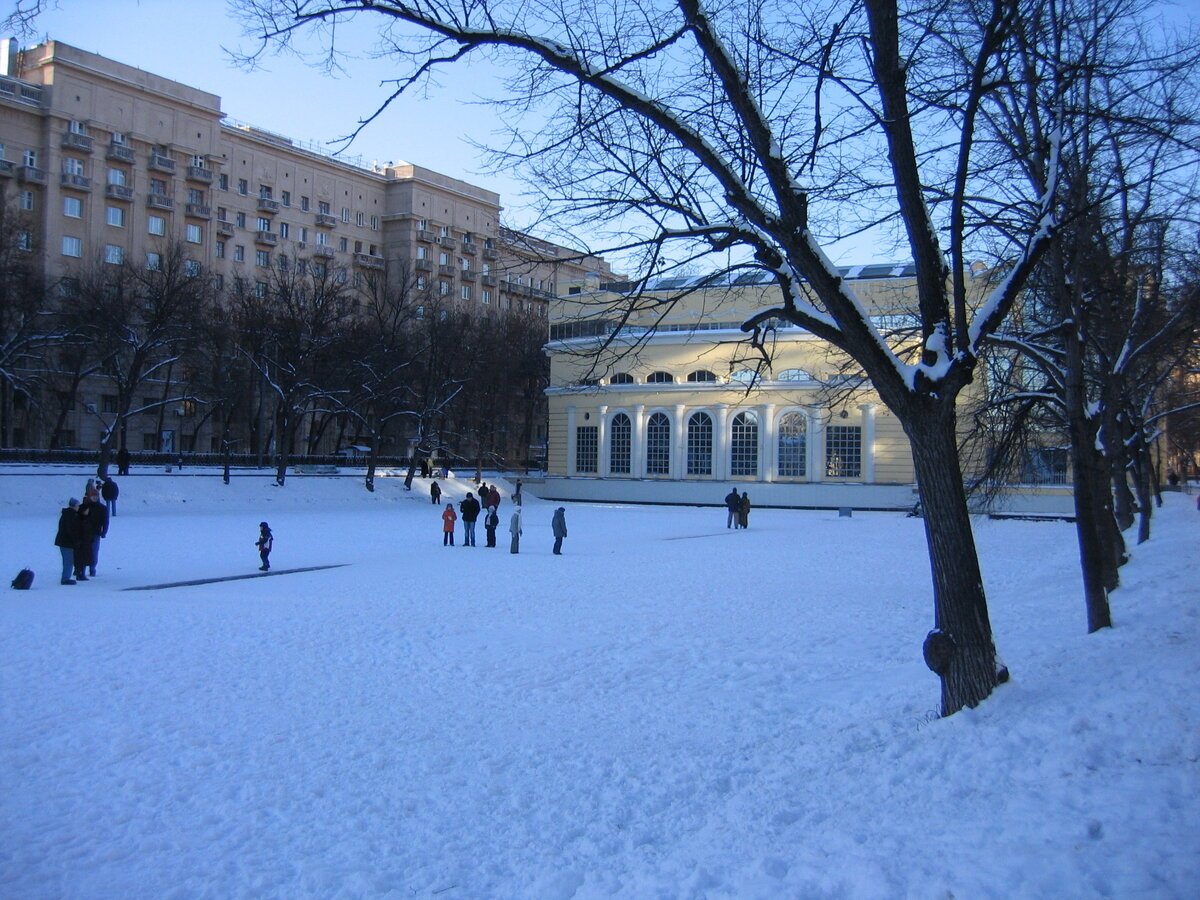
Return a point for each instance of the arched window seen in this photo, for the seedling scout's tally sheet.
(658, 445)
(743, 445)
(621, 378)
(620, 433)
(793, 445)
(745, 376)
(660, 378)
(699, 444)
(701, 375)
(794, 375)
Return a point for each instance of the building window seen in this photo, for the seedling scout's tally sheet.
(487, 297)
(443, 288)
(343, 244)
(320, 270)
(843, 451)
(223, 181)
(262, 258)
(422, 282)
(284, 230)
(29, 158)
(260, 289)
(422, 253)
(1044, 465)
(156, 225)
(621, 378)
(154, 262)
(195, 234)
(24, 240)
(243, 187)
(660, 378)
(587, 449)
(620, 444)
(115, 216)
(443, 258)
(27, 201)
(264, 192)
(744, 376)
(374, 223)
(118, 177)
(346, 215)
(464, 292)
(239, 253)
(322, 207)
(304, 204)
(72, 246)
(195, 196)
(743, 445)
(108, 403)
(264, 224)
(699, 444)
(658, 445)
(73, 207)
(303, 235)
(701, 375)
(285, 197)
(793, 375)
(360, 219)
(220, 250)
(793, 445)
(72, 166)
(114, 255)
(322, 239)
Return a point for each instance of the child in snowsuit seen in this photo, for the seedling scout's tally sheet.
(265, 542)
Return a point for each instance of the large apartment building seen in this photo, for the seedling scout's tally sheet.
(110, 163)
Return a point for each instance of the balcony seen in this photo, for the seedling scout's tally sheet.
(323, 250)
(225, 229)
(7, 168)
(425, 236)
(120, 153)
(31, 175)
(267, 205)
(76, 182)
(159, 201)
(423, 265)
(200, 173)
(73, 141)
(446, 270)
(466, 274)
(368, 261)
(489, 253)
(488, 280)
(325, 220)
(161, 163)
(448, 242)
(19, 91)
(118, 192)
(198, 211)
(268, 238)
(469, 247)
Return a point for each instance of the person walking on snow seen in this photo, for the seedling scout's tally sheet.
(449, 517)
(470, 512)
(732, 503)
(435, 493)
(109, 491)
(68, 534)
(514, 528)
(265, 542)
(559, 525)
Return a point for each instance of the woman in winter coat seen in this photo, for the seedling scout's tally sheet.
(514, 528)
(449, 517)
(744, 511)
(68, 535)
(83, 540)
(559, 526)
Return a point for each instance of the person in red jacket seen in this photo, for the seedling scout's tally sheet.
(449, 517)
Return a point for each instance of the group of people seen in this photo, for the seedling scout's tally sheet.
(738, 508)
(488, 503)
(81, 526)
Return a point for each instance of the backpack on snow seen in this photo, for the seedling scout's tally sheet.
(24, 580)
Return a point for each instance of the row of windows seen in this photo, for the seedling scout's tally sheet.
(702, 376)
(843, 447)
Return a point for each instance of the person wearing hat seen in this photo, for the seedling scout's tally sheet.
(265, 542)
(559, 525)
(69, 528)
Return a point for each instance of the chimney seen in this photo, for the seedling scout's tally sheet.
(8, 57)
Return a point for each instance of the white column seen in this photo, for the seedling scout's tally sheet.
(570, 468)
(766, 442)
(721, 444)
(868, 442)
(602, 434)
(637, 468)
(816, 444)
(679, 452)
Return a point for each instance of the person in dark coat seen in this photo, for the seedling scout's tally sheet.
(435, 493)
(493, 498)
(559, 525)
(732, 503)
(109, 491)
(66, 538)
(83, 539)
(123, 461)
(470, 512)
(514, 528)
(490, 521)
(97, 522)
(265, 544)
(517, 493)
(744, 510)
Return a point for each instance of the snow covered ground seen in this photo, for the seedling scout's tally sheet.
(670, 709)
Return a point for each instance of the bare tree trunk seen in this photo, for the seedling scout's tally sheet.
(961, 614)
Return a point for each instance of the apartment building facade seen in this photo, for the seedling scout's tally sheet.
(110, 164)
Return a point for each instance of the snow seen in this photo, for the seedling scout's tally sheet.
(669, 709)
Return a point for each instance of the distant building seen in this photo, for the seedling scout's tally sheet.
(110, 163)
